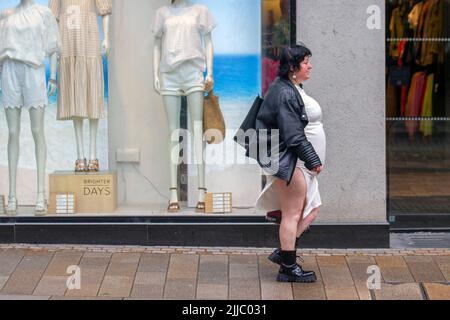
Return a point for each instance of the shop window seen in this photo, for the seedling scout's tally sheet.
(247, 45)
(418, 109)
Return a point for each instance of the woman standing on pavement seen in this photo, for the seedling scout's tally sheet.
(292, 185)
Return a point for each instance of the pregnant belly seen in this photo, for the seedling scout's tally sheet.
(316, 135)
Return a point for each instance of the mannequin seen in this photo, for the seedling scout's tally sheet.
(11, 58)
(79, 66)
(93, 123)
(194, 93)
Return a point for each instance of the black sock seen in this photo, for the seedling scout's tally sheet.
(289, 258)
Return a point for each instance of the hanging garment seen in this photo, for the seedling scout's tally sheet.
(391, 101)
(270, 69)
(426, 126)
(399, 75)
(418, 35)
(431, 26)
(397, 29)
(415, 99)
(403, 100)
(414, 15)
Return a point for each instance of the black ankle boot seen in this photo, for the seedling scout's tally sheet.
(275, 256)
(290, 271)
(295, 274)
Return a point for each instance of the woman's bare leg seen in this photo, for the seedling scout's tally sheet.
(292, 199)
(305, 223)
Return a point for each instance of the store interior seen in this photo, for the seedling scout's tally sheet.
(417, 107)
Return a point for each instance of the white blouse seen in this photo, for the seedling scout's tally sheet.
(29, 35)
(182, 30)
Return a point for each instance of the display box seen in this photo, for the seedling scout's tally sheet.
(62, 203)
(218, 203)
(92, 192)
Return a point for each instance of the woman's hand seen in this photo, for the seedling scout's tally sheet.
(318, 170)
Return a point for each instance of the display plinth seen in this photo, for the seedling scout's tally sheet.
(94, 192)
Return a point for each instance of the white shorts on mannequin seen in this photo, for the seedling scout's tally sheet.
(23, 86)
(184, 80)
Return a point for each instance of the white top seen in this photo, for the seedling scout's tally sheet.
(314, 131)
(182, 30)
(29, 35)
(312, 108)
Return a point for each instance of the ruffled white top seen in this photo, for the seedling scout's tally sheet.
(29, 35)
(182, 30)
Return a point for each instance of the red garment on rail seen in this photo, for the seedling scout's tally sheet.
(415, 101)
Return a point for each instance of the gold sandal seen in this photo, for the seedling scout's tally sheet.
(80, 165)
(201, 206)
(174, 207)
(93, 166)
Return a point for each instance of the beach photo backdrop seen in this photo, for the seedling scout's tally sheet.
(237, 70)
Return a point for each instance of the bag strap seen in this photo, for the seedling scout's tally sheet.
(210, 93)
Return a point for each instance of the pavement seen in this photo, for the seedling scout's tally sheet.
(188, 273)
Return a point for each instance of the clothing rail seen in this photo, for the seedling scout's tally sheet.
(443, 119)
(418, 39)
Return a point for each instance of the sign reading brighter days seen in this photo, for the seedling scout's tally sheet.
(94, 193)
(97, 187)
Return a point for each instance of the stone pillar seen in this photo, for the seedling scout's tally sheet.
(137, 121)
(349, 83)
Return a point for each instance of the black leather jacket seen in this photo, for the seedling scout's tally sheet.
(284, 117)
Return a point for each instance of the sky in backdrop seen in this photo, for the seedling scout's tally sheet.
(238, 30)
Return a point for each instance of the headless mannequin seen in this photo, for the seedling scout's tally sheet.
(172, 106)
(13, 116)
(93, 123)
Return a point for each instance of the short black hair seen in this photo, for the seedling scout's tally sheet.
(291, 58)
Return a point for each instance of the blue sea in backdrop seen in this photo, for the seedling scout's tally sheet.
(237, 78)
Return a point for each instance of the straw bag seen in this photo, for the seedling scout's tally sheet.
(213, 121)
